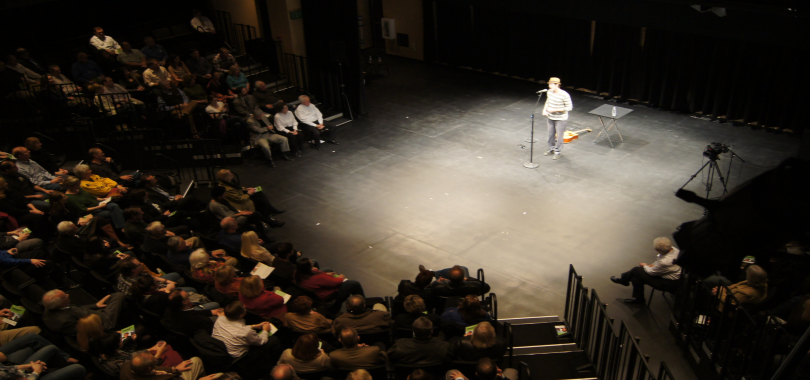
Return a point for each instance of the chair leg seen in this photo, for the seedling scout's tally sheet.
(649, 300)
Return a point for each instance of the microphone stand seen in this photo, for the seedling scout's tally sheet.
(531, 164)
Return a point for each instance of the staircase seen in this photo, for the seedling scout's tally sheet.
(548, 355)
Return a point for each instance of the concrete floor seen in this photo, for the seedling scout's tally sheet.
(434, 175)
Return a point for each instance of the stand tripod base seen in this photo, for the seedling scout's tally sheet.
(530, 140)
(531, 165)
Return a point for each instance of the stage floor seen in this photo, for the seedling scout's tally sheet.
(434, 175)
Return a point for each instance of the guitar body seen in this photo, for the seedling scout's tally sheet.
(569, 136)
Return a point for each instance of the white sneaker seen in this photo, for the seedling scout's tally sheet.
(556, 156)
(548, 153)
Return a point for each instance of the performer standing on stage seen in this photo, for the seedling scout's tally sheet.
(558, 103)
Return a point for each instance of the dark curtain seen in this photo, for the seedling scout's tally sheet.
(736, 81)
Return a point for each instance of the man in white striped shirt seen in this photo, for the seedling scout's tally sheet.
(558, 103)
(241, 341)
(663, 274)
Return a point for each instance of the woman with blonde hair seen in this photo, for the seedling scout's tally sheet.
(88, 328)
(97, 185)
(252, 248)
(483, 343)
(226, 281)
(236, 79)
(257, 299)
(202, 267)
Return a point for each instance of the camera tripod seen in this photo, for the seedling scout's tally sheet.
(714, 168)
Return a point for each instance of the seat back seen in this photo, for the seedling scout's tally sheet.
(374, 336)
(191, 281)
(104, 371)
(402, 371)
(467, 368)
(314, 375)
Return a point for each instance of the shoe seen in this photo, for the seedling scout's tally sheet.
(316, 147)
(287, 158)
(556, 156)
(548, 153)
(298, 154)
(333, 142)
(275, 223)
(271, 164)
(640, 301)
(68, 284)
(279, 212)
(619, 281)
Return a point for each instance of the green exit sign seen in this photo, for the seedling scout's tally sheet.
(295, 15)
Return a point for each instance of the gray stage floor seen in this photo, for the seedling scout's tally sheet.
(434, 176)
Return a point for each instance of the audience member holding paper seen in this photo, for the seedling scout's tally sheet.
(252, 248)
(153, 212)
(303, 318)
(261, 301)
(482, 343)
(251, 348)
(326, 285)
(226, 281)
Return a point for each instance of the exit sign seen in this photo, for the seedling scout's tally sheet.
(295, 15)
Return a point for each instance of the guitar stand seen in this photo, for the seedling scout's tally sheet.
(606, 129)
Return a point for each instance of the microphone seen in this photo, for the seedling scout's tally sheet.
(542, 91)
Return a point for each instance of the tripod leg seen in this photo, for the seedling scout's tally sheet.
(722, 180)
(695, 175)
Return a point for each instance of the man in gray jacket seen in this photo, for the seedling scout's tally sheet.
(263, 134)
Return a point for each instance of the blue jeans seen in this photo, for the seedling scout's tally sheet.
(136, 180)
(52, 186)
(207, 306)
(173, 277)
(20, 350)
(70, 372)
(112, 212)
(446, 273)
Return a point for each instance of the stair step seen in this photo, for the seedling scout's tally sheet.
(556, 365)
(538, 334)
(545, 349)
(528, 320)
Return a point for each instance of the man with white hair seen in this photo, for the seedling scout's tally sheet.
(262, 134)
(312, 122)
(61, 317)
(663, 274)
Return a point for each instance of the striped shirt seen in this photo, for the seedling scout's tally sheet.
(558, 101)
(237, 336)
(665, 266)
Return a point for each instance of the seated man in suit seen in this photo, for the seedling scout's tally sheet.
(422, 349)
(360, 318)
(262, 134)
(185, 317)
(143, 366)
(354, 355)
(164, 198)
(458, 285)
(61, 317)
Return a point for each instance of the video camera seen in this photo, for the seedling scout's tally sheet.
(714, 150)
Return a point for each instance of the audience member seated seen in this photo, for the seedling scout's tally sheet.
(131, 269)
(262, 134)
(90, 328)
(458, 284)
(19, 239)
(24, 58)
(179, 250)
(12, 87)
(355, 355)
(226, 281)
(229, 236)
(420, 286)
(304, 319)
(145, 292)
(117, 114)
(468, 312)
(170, 97)
(487, 369)
(662, 274)
(143, 366)
(287, 126)
(31, 261)
(97, 185)
(103, 42)
(155, 74)
(21, 185)
(328, 286)
(132, 82)
(222, 209)
(166, 201)
(202, 267)
(218, 87)
(285, 261)
(121, 98)
(749, 292)
(312, 122)
(422, 349)
(61, 317)
(184, 317)
(158, 236)
(259, 300)
(105, 167)
(236, 80)
(29, 76)
(69, 223)
(85, 71)
(85, 202)
(23, 210)
(131, 58)
(230, 127)
(415, 308)
(247, 347)
(40, 154)
(69, 88)
(266, 99)
(39, 355)
(199, 65)
(246, 198)
(202, 24)
(362, 319)
(195, 92)
(252, 247)
(113, 353)
(35, 172)
(154, 51)
(177, 69)
(306, 355)
(9, 332)
(152, 212)
(483, 343)
(54, 98)
(223, 61)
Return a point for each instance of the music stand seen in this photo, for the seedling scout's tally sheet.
(606, 110)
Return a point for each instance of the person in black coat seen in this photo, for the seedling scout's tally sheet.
(21, 209)
(422, 349)
(181, 317)
(153, 212)
(415, 308)
(483, 342)
(458, 285)
(421, 287)
(166, 201)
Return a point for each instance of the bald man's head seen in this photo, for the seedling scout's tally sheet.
(348, 336)
(356, 304)
(283, 372)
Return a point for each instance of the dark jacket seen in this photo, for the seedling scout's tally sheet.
(19, 184)
(449, 289)
(368, 320)
(358, 357)
(462, 349)
(419, 351)
(42, 157)
(407, 287)
(190, 321)
(105, 170)
(406, 320)
(64, 321)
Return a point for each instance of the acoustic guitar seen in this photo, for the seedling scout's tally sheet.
(569, 136)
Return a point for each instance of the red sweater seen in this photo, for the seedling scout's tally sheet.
(267, 304)
(322, 284)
